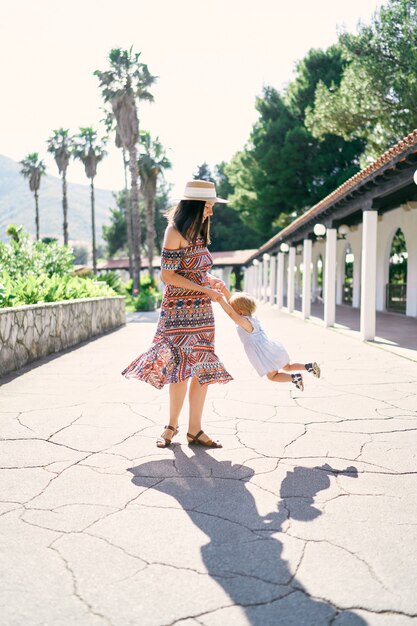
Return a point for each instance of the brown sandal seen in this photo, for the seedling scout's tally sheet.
(163, 442)
(196, 441)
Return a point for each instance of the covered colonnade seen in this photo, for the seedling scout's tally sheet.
(357, 247)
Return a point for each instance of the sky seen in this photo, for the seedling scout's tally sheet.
(212, 60)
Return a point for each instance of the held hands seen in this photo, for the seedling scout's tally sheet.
(217, 283)
(214, 295)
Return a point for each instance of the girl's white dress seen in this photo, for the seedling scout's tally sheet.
(264, 354)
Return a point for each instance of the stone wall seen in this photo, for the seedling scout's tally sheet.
(30, 332)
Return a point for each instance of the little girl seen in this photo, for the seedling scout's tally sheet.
(266, 356)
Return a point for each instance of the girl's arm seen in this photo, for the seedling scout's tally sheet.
(238, 319)
(174, 241)
(226, 293)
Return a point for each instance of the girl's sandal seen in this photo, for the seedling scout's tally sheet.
(195, 440)
(313, 368)
(163, 442)
(297, 379)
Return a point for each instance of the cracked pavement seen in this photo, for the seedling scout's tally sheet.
(306, 517)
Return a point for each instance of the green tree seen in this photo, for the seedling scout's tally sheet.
(283, 170)
(265, 174)
(89, 149)
(330, 160)
(228, 231)
(376, 98)
(115, 234)
(60, 146)
(203, 173)
(162, 205)
(122, 87)
(152, 163)
(111, 126)
(317, 66)
(33, 168)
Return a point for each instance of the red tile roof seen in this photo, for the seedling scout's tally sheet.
(410, 141)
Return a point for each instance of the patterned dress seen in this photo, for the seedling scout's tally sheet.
(183, 346)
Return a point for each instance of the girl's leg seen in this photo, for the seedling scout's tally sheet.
(279, 377)
(177, 393)
(294, 367)
(311, 368)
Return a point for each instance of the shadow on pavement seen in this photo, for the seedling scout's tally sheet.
(244, 553)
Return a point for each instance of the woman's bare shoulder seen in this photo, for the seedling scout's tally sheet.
(173, 238)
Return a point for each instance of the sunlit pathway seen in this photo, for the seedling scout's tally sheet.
(306, 517)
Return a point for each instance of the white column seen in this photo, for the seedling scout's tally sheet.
(330, 278)
(314, 285)
(307, 249)
(246, 283)
(280, 280)
(265, 265)
(272, 279)
(258, 279)
(255, 280)
(356, 291)
(290, 289)
(412, 280)
(340, 273)
(260, 275)
(252, 279)
(226, 271)
(368, 278)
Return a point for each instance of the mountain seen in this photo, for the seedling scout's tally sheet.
(17, 205)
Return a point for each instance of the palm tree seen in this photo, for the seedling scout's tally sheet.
(34, 168)
(90, 151)
(122, 86)
(151, 163)
(108, 121)
(60, 146)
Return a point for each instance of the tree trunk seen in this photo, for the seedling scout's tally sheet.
(128, 218)
(134, 204)
(150, 223)
(93, 227)
(37, 214)
(65, 206)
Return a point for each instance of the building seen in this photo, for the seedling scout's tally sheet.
(355, 225)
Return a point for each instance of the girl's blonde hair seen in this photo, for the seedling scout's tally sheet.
(242, 302)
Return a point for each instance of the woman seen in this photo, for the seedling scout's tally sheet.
(183, 346)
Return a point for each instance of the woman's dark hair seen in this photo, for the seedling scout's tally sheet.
(187, 217)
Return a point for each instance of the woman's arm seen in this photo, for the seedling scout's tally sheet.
(238, 319)
(174, 241)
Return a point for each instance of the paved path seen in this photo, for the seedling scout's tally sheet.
(307, 516)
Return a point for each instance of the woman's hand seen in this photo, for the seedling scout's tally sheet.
(213, 294)
(217, 283)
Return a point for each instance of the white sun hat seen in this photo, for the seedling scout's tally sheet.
(203, 190)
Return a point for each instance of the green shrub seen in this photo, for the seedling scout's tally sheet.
(20, 257)
(112, 279)
(147, 281)
(149, 298)
(6, 297)
(145, 301)
(36, 289)
(128, 287)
